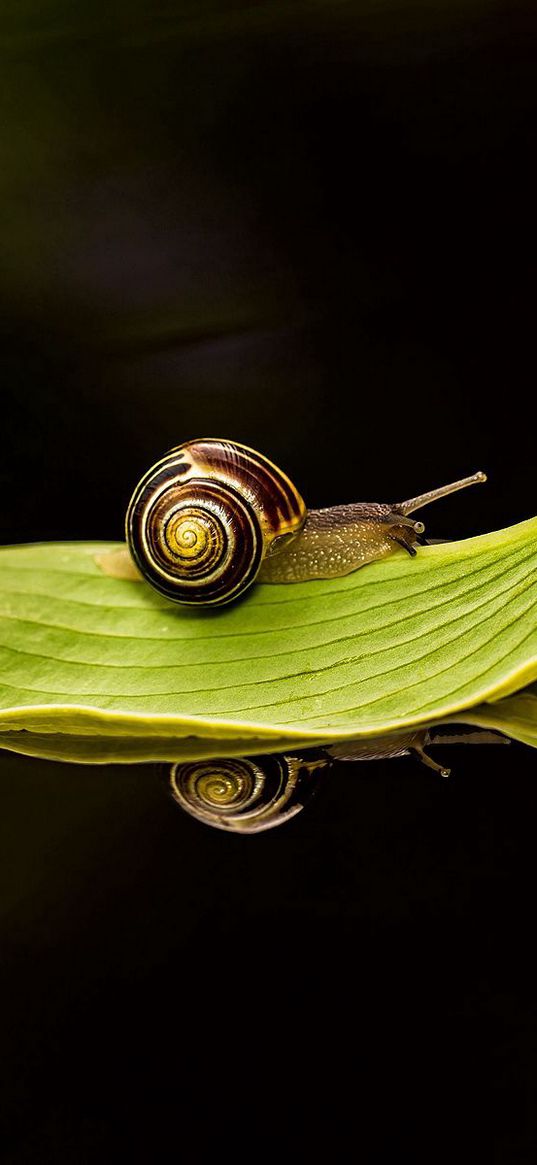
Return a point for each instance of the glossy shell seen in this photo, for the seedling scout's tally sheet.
(201, 520)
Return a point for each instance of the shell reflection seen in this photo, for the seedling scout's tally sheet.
(246, 795)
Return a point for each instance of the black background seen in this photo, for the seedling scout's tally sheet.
(308, 227)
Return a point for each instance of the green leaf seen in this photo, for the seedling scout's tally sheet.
(103, 668)
(515, 716)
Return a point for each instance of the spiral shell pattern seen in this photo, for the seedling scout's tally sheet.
(201, 520)
(245, 795)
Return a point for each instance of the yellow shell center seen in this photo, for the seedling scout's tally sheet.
(220, 788)
(187, 536)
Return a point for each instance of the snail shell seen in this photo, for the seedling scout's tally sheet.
(201, 520)
(245, 795)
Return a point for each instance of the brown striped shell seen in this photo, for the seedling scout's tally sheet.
(201, 520)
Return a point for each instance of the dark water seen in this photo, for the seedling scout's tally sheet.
(310, 228)
(374, 953)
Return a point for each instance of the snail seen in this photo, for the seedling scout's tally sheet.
(246, 795)
(213, 516)
(251, 794)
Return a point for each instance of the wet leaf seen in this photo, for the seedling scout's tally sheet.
(99, 668)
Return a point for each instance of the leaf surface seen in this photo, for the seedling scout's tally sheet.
(112, 670)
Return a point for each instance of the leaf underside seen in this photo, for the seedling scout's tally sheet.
(97, 668)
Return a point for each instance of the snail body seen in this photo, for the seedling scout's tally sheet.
(339, 540)
(213, 516)
(411, 742)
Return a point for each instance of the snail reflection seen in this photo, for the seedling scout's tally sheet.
(252, 794)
